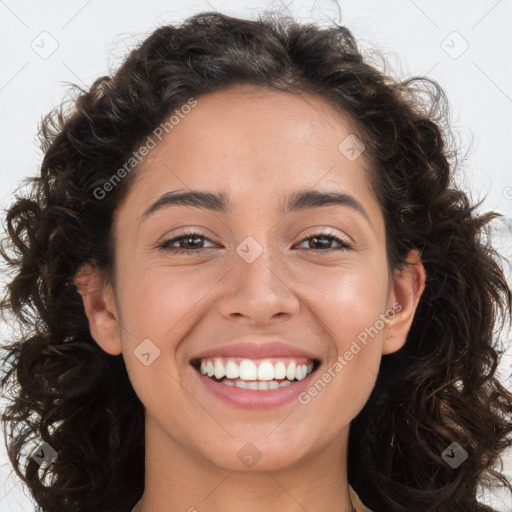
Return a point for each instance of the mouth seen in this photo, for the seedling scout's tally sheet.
(262, 374)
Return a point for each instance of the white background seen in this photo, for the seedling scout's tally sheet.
(418, 37)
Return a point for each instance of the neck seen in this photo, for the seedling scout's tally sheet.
(179, 478)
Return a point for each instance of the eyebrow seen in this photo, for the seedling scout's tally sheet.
(220, 202)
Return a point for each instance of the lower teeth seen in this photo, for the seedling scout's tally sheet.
(256, 385)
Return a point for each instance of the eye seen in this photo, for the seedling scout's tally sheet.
(188, 242)
(325, 239)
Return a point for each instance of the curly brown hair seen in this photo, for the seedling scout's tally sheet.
(441, 387)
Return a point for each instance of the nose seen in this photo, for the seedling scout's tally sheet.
(256, 292)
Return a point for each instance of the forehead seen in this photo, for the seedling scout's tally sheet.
(255, 144)
(243, 114)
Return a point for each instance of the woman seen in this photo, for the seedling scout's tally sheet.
(246, 281)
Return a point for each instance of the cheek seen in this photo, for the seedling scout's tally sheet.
(347, 300)
(348, 305)
(160, 307)
(159, 301)
(350, 308)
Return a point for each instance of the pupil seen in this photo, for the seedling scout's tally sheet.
(192, 237)
(316, 238)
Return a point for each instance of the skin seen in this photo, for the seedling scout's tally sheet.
(258, 146)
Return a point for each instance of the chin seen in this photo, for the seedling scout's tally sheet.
(248, 451)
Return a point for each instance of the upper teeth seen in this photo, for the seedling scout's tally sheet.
(264, 369)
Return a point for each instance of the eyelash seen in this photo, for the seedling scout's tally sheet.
(344, 246)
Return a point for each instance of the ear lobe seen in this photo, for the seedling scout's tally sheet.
(407, 288)
(98, 299)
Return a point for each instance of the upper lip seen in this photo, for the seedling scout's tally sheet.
(255, 350)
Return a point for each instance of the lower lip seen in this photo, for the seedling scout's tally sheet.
(255, 399)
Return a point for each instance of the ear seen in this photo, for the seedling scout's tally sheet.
(406, 290)
(100, 308)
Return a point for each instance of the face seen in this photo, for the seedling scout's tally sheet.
(233, 287)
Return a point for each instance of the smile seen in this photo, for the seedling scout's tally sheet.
(253, 374)
(255, 383)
